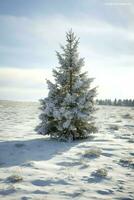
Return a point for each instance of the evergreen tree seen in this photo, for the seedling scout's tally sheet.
(67, 110)
(115, 102)
(133, 102)
(119, 102)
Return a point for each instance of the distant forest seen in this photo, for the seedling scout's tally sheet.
(116, 102)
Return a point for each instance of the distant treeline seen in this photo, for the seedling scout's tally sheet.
(116, 102)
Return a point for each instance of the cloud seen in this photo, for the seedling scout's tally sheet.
(31, 42)
(49, 31)
(112, 82)
(29, 84)
(28, 78)
(28, 44)
(24, 84)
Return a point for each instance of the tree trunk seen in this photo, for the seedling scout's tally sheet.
(71, 81)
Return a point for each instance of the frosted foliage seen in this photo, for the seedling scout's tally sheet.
(66, 124)
(78, 84)
(67, 110)
(57, 114)
(68, 115)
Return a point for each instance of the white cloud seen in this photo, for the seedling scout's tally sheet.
(40, 37)
(24, 84)
(29, 84)
(112, 82)
(24, 77)
(52, 28)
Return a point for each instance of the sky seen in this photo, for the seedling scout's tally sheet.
(32, 30)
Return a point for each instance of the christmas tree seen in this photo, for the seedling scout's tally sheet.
(66, 113)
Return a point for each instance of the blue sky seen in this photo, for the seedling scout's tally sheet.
(31, 31)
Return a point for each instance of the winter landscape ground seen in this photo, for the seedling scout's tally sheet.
(34, 167)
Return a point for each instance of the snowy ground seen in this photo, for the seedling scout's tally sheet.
(48, 170)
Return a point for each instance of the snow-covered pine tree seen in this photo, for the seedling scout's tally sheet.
(67, 110)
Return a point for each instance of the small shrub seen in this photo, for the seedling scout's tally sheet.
(127, 162)
(15, 178)
(92, 153)
(132, 153)
(118, 121)
(127, 116)
(125, 137)
(101, 173)
(114, 127)
(131, 140)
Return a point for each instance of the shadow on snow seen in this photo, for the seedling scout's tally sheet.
(18, 152)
